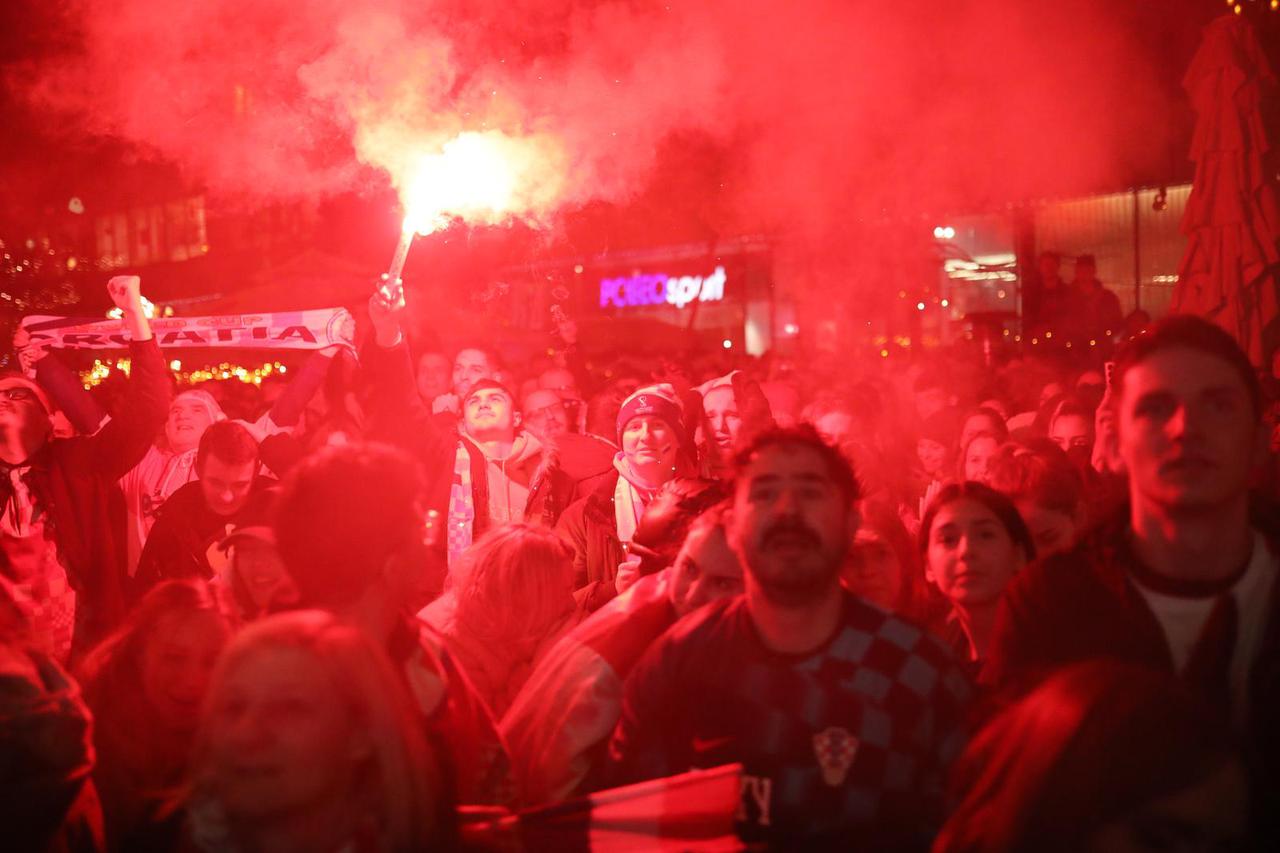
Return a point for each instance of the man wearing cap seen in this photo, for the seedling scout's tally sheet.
(656, 446)
(60, 544)
(487, 472)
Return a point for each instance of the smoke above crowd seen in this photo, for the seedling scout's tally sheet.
(823, 110)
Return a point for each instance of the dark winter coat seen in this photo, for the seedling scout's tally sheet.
(186, 527)
(76, 478)
(1083, 604)
(590, 527)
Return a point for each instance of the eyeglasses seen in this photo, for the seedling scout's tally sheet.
(17, 392)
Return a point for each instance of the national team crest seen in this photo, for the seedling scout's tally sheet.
(835, 749)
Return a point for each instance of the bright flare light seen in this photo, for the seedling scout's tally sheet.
(483, 178)
(474, 178)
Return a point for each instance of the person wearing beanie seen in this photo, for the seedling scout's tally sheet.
(656, 447)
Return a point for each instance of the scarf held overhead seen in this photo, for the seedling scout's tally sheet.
(311, 329)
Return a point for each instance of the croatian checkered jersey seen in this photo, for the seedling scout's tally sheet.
(846, 746)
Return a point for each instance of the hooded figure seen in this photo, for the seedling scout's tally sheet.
(735, 410)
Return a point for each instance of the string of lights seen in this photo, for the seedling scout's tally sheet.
(102, 370)
(1238, 6)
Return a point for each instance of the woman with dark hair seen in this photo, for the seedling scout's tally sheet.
(145, 684)
(973, 542)
(884, 567)
(1103, 756)
(980, 420)
(310, 741)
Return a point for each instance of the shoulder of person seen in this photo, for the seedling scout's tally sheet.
(184, 497)
(706, 625)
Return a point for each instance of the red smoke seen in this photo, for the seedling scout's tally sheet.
(828, 109)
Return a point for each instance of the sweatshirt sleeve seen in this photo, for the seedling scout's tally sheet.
(304, 385)
(124, 440)
(69, 394)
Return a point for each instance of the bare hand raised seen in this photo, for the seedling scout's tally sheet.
(126, 293)
(385, 308)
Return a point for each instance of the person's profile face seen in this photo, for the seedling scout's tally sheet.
(1052, 531)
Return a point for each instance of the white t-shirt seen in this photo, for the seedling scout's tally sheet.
(1183, 619)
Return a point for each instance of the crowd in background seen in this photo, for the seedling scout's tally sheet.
(952, 601)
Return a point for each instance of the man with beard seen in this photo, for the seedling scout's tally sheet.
(843, 716)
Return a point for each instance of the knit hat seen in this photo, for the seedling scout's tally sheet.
(660, 401)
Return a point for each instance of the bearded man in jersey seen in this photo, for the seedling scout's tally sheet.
(844, 717)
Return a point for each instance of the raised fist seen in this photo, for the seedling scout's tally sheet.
(126, 293)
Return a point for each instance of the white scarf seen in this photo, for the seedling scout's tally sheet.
(629, 500)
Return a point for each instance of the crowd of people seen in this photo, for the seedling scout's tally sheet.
(942, 604)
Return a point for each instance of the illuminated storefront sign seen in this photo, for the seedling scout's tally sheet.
(661, 289)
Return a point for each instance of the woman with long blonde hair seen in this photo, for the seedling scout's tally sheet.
(510, 599)
(310, 742)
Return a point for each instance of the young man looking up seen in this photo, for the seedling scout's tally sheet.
(1184, 579)
(485, 471)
